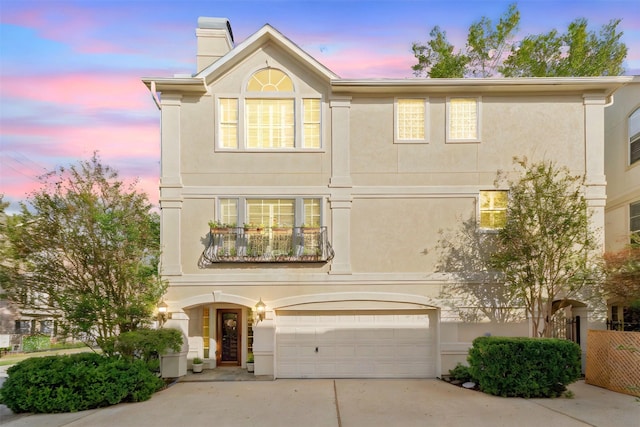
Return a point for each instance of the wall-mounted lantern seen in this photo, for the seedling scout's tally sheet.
(261, 309)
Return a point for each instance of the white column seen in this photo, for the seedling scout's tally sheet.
(340, 146)
(170, 186)
(596, 181)
(264, 338)
(340, 199)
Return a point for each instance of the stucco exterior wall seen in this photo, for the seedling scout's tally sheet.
(623, 180)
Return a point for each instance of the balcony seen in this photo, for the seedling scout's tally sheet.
(266, 245)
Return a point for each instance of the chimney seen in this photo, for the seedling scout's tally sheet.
(215, 39)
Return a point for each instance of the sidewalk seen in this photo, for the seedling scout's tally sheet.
(348, 403)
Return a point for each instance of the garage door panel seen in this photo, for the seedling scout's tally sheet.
(358, 345)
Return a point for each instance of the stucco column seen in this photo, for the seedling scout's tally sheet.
(341, 233)
(170, 255)
(170, 141)
(264, 338)
(340, 146)
(596, 181)
(340, 199)
(170, 186)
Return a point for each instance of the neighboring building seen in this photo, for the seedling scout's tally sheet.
(265, 134)
(16, 321)
(622, 168)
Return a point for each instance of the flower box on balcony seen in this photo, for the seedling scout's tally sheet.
(281, 230)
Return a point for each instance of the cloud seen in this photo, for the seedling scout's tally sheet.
(89, 91)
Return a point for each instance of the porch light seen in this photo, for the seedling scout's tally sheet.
(261, 309)
(162, 312)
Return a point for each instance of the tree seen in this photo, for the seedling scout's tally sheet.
(622, 274)
(491, 50)
(438, 57)
(477, 291)
(86, 249)
(547, 250)
(578, 52)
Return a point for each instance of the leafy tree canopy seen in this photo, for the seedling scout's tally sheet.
(492, 49)
(86, 249)
(547, 250)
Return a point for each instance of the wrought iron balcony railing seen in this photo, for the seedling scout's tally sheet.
(270, 244)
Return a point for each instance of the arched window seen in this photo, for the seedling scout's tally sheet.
(270, 80)
(634, 136)
(269, 115)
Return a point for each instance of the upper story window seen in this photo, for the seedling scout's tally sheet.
(275, 212)
(269, 115)
(412, 119)
(634, 137)
(493, 209)
(634, 221)
(463, 119)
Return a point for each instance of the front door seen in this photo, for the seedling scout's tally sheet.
(229, 337)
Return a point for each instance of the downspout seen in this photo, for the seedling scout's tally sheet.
(609, 101)
(154, 95)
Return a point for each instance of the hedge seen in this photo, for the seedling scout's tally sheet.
(524, 367)
(76, 382)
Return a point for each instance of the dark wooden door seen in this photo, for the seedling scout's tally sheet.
(229, 337)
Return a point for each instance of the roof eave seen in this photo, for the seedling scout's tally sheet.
(605, 85)
(190, 85)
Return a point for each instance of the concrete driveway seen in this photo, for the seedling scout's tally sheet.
(349, 403)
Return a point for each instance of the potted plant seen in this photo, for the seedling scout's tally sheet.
(313, 228)
(197, 365)
(252, 228)
(220, 228)
(250, 363)
(281, 228)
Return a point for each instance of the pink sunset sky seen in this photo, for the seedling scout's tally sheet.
(70, 70)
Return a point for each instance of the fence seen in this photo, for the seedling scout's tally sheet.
(613, 358)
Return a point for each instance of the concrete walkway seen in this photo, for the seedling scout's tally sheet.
(348, 403)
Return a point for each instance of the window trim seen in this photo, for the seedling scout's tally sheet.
(478, 137)
(427, 121)
(298, 116)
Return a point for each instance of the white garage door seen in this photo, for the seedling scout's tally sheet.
(355, 344)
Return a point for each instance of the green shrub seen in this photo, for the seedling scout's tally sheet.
(76, 382)
(460, 373)
(144, 344)
(37, 342)
(524, 367)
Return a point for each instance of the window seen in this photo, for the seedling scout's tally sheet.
(228, 114)
(23, 327)
(311, 125)
(411, 119)
(634, 221)
(269, 115)
(271, 212)
(634, 137)
(312, 212)
(228, 211)
(463, 119)
(270, 123)
(493, 209)
(285, 212)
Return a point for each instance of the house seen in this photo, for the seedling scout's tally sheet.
(622, 169)
(301, 211)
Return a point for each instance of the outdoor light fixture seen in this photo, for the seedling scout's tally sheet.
(260, 310)
(162, 313)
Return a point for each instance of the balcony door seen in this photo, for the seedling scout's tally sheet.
(229, 337)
